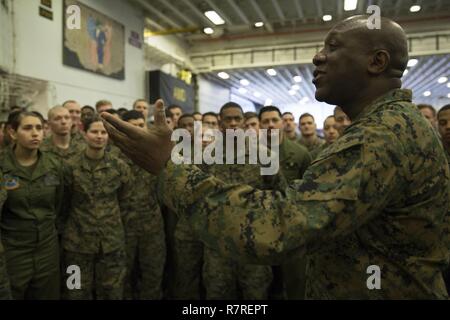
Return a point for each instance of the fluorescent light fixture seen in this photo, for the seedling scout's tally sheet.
(304, 100)
(244, 82)
(259, 24)
(405, 72)
(292, 92)
(268, 102)
(223, 75)
(295, 87)
(242, 90)
(443, 80)
(257, 94)
(427, 93)
(448, 96)
(415, 8)
(350, 5)
(327, 17)
(208, 30)
(214, 17)
(448, 85)
(412, 62)
(271, 72)
(298, 79)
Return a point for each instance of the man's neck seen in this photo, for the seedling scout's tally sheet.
(61, 141)
(359, 102)
(95, 154)
(290, 135)
(25, 157)
(309, 138)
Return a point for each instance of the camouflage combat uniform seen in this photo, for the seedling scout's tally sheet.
(145, 241)
(28, 225)
(225, 277)
(311, 145)
(93, 236)
(65, 154)
(294, 160)
(5, 289)
(377, 197)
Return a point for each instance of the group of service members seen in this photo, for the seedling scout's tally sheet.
(69, 197)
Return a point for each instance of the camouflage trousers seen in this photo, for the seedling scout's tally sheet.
(5, 289)
(102, 275)
(34, 271)
(188, 262)
(230, 280)
(146, 255)
(293, 274)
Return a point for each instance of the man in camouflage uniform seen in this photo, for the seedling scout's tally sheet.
(60, 141)
(224, 277)
(144, 231)
(443, 122)
(5, 289)
(341, 119)
(289, 127)
(308, 129)
(330, 133)
(100, 189)
(289, 278)
(188, 249)
(377, 199)
(74, 109)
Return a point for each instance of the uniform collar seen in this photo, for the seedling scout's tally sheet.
(104, 162)
(10, 164)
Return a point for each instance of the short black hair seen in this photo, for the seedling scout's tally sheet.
(89, 120)
(306, 115)
(88, 107)
(174, 106)
(249, 115)
(112, 111)
(132, 115)
(427, 106)
(229, 105)
(444, 108)
(287, 112)
(211, 114)
(269, 109)
(196, 112)
(185, 115)
(16, 117)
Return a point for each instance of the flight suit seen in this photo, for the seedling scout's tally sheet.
(93, 235)
(5, 289)
(28, 225)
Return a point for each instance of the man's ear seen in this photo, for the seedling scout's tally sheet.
(379, 62)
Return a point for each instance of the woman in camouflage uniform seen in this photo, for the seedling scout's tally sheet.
(93, 237)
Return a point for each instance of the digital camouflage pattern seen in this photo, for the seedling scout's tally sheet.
(315, 153)
(145, 239)
(65, 154)
(222, 275)
(311, 145)
(294, 160)
(94, 237)
(377, 196)
(99, 200)
(5, 290)
(28, 225)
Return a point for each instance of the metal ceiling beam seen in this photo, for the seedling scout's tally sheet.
(177, 12)
(261, 15)
(340, 8)
(273, 83)
(239, 12)
(319, 8)
(398, 7)
(431, 75)
(302, 84)
(361, 9)
(220, 12)
(197, 11)
(268, 86)
(254, 86)
(279, 11)
(154, 24)
(152, 9)
(299, 9)
(261, 85)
